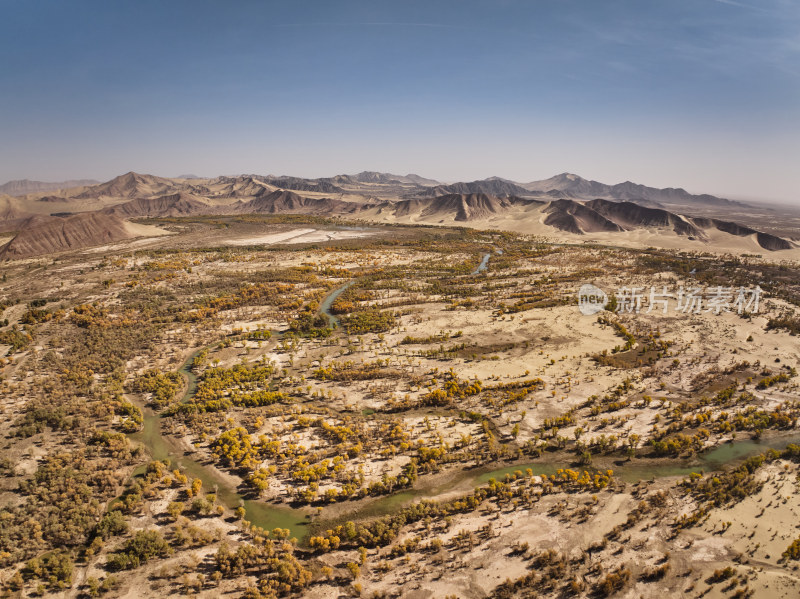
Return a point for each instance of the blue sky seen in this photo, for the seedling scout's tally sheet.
(703, 94)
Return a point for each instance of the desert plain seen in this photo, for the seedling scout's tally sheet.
(247, 394)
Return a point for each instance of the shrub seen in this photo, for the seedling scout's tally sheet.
(369, 321)
(613, 582)
(145, 545)
(54, 568)
(112, 524)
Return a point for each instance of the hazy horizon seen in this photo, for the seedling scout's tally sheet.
(699, 95)
(760, 200)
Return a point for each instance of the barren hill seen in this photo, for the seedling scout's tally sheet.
(21, 187)
(461, 206)
(375, 177)
(423, 181)
(130, 185)
(12, 213)
(604, 215)
(298, 184)
(575, 217)
(389, 179)
(599, 217)
(177, 204)
(630, 215)
(765, 240)
(282, 201)
(569, 184)
(566, 205)
(46, 235)
(576, 187)
(494, 187)
(241, 187)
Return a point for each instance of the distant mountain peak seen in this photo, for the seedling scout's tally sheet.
(21, 187)
(387, 179)
(576, 187)
(130, 185)
(375, 177)
(494, 186)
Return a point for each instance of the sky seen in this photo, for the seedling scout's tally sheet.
(700, 94)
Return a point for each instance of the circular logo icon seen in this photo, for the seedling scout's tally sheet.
(591, 299)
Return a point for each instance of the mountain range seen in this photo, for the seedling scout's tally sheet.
(563, 205)
(567, 185)
(25, 186)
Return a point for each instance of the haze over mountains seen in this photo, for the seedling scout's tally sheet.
(565, 206)
(25, 186)
(567, 185)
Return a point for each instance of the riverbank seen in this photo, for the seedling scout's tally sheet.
(450, 484)
(440, 486)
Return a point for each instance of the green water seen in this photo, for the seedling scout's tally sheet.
(538, 469)
(633, 471)
(191, 378)
(259, 513)
(483, 265)
(271, 516)
(709, 461)
(325, 307)
(163, 448)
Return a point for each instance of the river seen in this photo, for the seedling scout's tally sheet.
(325, 306)
(483, 265)
(269, 516)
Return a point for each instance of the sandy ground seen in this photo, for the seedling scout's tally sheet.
(554, 344)
(142, 230)
(270, 238)
(125, 245)
(475, 572)
(299, 236)
(765, 524)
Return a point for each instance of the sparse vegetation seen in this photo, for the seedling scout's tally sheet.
(293, 453)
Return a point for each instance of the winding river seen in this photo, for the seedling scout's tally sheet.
(267, 515)
(485, 262)
(325, 306)
(483, 265)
